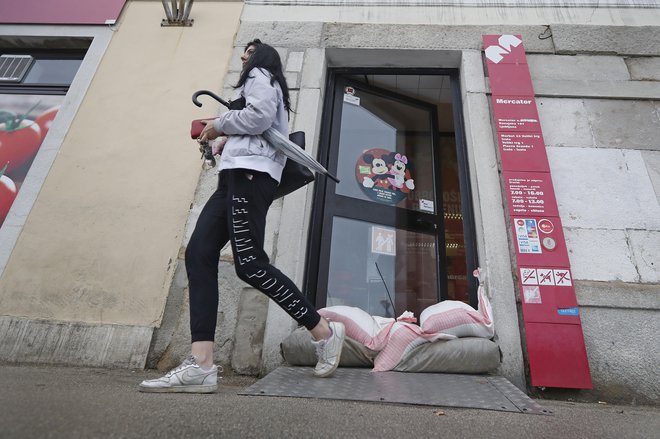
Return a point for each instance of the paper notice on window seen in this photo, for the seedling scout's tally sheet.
(351, 99)
(426, 206)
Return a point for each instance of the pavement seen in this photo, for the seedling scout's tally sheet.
(67, 402)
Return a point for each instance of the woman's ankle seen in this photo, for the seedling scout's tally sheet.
(321, 331)
(203, 353)
(204, 362)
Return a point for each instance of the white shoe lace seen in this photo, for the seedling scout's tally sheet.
(186, 362)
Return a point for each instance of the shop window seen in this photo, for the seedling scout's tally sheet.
(32, 88)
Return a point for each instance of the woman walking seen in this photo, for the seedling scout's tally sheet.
(250, 170)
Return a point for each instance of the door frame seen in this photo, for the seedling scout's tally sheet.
(314, 244)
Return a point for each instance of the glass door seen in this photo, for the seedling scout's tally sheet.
(381, 246)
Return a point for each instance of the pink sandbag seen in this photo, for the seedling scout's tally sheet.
(458, 318)
(400, 339)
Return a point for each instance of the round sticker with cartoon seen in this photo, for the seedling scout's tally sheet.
(384, 176)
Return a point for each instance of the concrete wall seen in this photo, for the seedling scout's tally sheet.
(99, 247)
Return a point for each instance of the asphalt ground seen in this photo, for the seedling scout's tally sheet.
(65, 402)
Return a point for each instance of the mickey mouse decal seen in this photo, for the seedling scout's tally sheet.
(379, 172)
(384, 176)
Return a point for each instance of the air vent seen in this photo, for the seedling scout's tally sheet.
(14, 67)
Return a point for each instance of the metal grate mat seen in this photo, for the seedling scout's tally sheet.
(435, 389)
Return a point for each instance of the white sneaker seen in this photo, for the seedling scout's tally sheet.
(329, 351)
(189, 377)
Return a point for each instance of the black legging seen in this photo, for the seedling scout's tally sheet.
(237, 211)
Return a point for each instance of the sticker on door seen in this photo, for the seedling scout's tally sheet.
(383, 241)
(384, 176)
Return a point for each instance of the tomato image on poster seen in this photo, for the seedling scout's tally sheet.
(7, 194)
(24, 123)
(384, 176)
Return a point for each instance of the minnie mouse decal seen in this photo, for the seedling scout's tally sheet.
(384, 176)
(398, 170)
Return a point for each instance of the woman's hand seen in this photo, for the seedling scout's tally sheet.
(208, 133)
(217, 145)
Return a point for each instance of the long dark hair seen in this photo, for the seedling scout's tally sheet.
(266, 57)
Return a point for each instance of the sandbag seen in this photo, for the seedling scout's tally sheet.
(460, 319)
(370, 331)
(461, 355)
(389, 344)
(400, 339)
(298, 350)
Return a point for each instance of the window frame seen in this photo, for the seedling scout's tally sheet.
(314, 245)
(23, 38)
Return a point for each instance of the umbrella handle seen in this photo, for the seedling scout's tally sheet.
(198, 93)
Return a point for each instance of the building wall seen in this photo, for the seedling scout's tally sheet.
(93, 263)
(595, 76)
(600, 113)
(93, 271)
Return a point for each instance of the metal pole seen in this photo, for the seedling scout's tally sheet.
(186, 13)
(168, 13)
(174, 10)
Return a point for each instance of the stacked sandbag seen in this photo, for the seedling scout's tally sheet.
(452, 337)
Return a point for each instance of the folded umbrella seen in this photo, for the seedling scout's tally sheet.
(278, 140)
(294, 152)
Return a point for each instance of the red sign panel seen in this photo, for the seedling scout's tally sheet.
(530, 193)
(555, 344)
(511, 79)
(548, 295)
(523, 151)
(516, 114)
(60, 11)
(557, 359)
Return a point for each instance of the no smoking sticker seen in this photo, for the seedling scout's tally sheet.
(528, 276)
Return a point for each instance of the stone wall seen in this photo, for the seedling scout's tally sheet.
(598, 99)
(601, 121)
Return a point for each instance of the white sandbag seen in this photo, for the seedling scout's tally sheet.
(360, 326)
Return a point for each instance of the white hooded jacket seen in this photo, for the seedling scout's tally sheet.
(264, 108)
